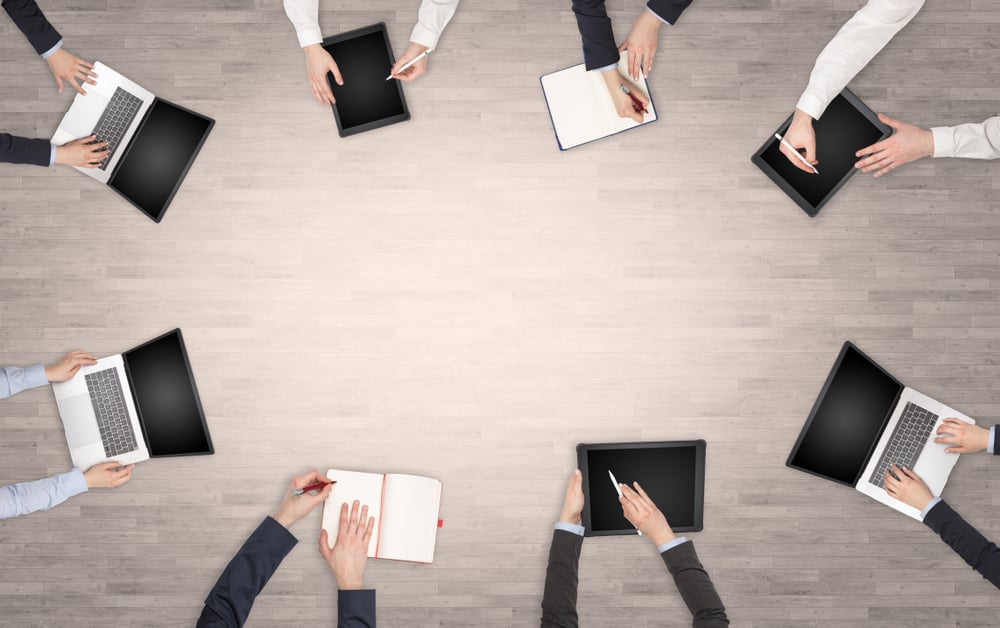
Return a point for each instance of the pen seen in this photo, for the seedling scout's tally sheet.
(318, 486)
(410, 62)
(618, 490)
(636, 103)
(785, 143)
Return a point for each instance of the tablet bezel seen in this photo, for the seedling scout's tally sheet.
(786, 187)
(375, 124)
(699, 481)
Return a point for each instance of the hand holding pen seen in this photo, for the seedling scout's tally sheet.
(641, 512)
(304, 493)
(637, 104)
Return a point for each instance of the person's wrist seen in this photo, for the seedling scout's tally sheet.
(659, 537)
(88, 481)
(285, 519)
(801, 116)
(572, 518)
(350, 584)
(927, 143)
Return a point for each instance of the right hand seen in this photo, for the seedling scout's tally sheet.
(294, 507)
(107, 475)
(350, 553)
(641, 512)
(82, 153)
(623, 104)
(68, 365)
(969, 438)
(319, 63)
(801, 135)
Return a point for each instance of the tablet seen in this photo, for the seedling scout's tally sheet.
(671, 472)
(846, 126)
(366, 100)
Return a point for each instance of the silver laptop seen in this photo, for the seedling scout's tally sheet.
(866, 420)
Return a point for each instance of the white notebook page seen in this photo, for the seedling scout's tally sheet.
(351, 485)
(409, 527)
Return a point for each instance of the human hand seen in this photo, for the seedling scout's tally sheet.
(907, 143)
(68, 365)
(904, 485)
(67, 67)
(800, 134)
(417, 69)
(350, 552)
(294, 507)
(107, 475)
(623, 104)
(969, 438)
(319, 63)
(573, 505)
(641, 512)
(85, 152)
(641, 45)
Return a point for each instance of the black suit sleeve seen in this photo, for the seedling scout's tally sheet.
(561, 579)
(230, 600)
(31, 21)
(669, 10)
(979, 553)
(356, 609)
(22, 150)
(996, 440)
(599, 48)
(695, 586)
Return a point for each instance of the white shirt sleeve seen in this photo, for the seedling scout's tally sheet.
(973, 141)
(304, 15)
(850, 50)
(434, 15)
(27, 497)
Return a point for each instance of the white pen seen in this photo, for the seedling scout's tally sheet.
(785, 143)
(410, 62)
(618, 490)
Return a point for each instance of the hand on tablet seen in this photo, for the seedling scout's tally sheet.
(801, 135)
(907, 143)
(416, 70)
(641, 44)
(641, 512)
(319, 63)
(623, 104)
(572, 510)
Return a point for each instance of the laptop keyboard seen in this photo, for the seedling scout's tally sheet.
(112, 418)
(908, 440)
(115, 120)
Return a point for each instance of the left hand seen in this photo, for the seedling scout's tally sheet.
(907, 487)
(68, 67)
(572, 509)
(641, 45)
(67, 367)
(417, 69)
(907, 143)
(294, 507)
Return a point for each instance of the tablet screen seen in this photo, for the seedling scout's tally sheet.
(840, 133)
(366, 100)
(668, 474)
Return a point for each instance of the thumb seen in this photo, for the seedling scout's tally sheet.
(624, 46)
(887, 120)
(324, 543)
(111, 465)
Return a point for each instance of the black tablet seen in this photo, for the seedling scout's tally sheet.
(846, 126)
(671, 472)
(366, 100)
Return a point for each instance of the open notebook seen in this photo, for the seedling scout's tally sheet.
(581, 107)
(405, 508)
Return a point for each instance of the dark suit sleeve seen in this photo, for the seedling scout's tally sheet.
(31, 21)
(230, 600)
(669, 10)
(561, 579)
(22, 150)
(996, 440)
(979, 553)
(599, 48)
(356, 609)
(695, 586)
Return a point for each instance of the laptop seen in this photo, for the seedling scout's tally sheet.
(846, 126)
(865, 420)
(152, 143)
(133, 406)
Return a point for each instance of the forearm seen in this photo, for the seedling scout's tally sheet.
(599, 47)
(971, 141)
(14, 379)
(978, 552)
(28, 497)
(561, 581)
(432, 18)
(304, 16)
(356, 608)
(30, 20)
(668, 10)
(695, 586)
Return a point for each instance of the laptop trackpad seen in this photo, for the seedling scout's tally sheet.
(81, 428)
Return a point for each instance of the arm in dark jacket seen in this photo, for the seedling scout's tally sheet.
(356, 608)
(561, 579)
(232, 597)
(599, 48)
(22, 150)
(979, 553)
(669, 10)
(695, 586)
(30, 20)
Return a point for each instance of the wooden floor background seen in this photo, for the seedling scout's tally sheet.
(454, 297)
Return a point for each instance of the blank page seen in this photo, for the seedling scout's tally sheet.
(351, 485)
(581, 107)
(409, 527)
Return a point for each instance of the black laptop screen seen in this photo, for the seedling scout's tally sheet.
(166, 398)
(848, 420)
(159, 156)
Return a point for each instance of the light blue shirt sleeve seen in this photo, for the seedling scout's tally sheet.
(48, 53)
(605, 68)
(52, 155)
(989, 444)
(27, 497)
(671, 544)
(570, 527)
(927, 508)
(658, 17)
(14, 379)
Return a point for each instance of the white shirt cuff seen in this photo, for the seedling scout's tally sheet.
(671, 544)
(812, 104)
(308, 36)
(52, 154)
(424, 36)
(34, 376)
(927, 508)
(75, 482)
(48, 53)
(657, 16)
(944, 141)
(570, 527)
